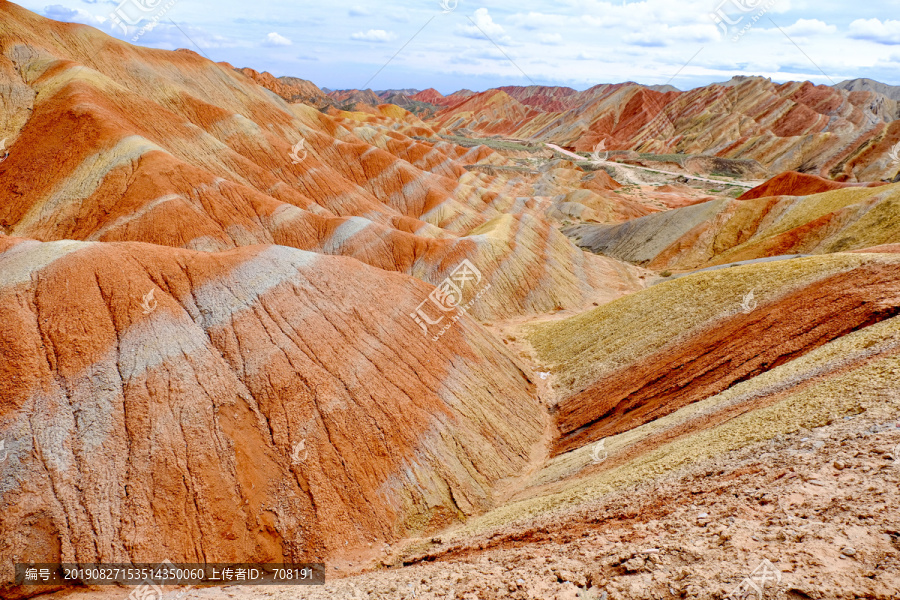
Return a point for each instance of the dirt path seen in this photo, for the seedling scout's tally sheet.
(624, 166)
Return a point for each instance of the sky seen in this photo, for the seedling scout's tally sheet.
(474, 44)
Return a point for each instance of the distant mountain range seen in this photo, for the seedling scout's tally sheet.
(431, 95)
(843, 132)
(870, 85)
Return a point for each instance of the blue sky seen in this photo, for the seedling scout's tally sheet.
(478, 45)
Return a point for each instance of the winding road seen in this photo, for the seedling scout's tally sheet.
(620, 165)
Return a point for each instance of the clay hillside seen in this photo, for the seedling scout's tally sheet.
(451, 351)
(840, 132)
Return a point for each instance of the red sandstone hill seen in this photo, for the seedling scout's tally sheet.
(839, 134)
(235, 328)
(846, 135)
(224, 424)
(799, 184)
(715, 356)
(353, 98)
(229, 288)
(728, 231)
(431, 96)
(488, 113)
(291, 89)
(546, 98)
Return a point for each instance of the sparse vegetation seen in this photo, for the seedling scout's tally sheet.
(494, 143)
(492, 169)
(423, 110)
(676, 158)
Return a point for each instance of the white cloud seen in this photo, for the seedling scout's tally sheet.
(551, 39)
(273, 39)
(601, 40)
(477, 55)
(374, 35)
(654, 36)
(396, 15)
(458, 59)
(69, 15)
(170, 37)
(874, 30)
(805, 27)
(484, 26)
(784, 6)
(537, 20)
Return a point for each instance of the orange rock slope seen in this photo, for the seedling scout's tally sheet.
(214, 303)
(214, 162)
(259, 404)
(291, 89)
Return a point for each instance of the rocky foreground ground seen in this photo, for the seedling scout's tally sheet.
(821, 506)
